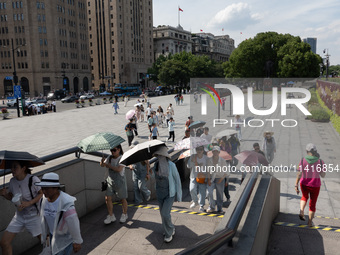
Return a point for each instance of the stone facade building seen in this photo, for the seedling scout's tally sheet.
(45, 42)
(120, 37)
(218, 48)
(171, 40)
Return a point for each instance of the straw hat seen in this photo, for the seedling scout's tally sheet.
(162, 151)
(268, 132)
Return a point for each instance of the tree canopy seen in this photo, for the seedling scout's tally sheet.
(177, 69)
(273, 55)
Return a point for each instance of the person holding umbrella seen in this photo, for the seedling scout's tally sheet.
(168, 185)
(25, 195)
(129, 131)
(116, 183)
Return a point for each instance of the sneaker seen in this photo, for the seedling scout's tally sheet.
(193, 205)
(123, 218)
(148, 198)
(169, 239)
(210, 210)
(220, 211)
(110, 219)
(202, 209)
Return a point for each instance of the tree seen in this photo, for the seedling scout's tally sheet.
(272, 54)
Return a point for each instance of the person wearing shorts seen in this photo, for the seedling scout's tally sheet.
(116, 183)
(27, 214)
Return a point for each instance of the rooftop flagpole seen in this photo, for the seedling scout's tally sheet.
(179, 10)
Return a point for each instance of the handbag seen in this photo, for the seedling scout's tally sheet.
(104, 183)
(47, 250)
(200, 178)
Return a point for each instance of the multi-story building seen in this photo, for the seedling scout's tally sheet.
(46, 43)
(120, 37)
(312, 42)
(218, 48)
(171, 40)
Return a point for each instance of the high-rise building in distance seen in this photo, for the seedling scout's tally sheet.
(312, 42)
(121, 43)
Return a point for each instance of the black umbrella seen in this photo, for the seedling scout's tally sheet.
(140, 152)
(7, 157)
(197, 124)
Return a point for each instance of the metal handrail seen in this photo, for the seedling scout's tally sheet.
(215, 241)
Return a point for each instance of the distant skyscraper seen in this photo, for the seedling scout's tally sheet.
(312, 42)
(121, 44)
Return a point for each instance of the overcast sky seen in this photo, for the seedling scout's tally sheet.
(242, 20)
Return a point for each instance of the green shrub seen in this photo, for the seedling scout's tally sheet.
(314, 98)
(320, 115)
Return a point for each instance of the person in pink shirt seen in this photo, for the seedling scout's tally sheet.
(311, 167)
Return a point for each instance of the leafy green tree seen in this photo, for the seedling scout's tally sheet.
(272, 54)
(156, 66)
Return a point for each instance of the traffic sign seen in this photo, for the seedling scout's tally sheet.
(9, 78)
(17, 91)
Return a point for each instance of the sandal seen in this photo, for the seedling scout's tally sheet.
(301, 216)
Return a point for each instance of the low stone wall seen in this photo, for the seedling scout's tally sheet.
(329, 92)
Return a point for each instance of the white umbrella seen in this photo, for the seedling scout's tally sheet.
(140, 152)
(226, 132)
(138, 104)
(191, 142)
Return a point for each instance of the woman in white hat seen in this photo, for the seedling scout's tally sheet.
(22, 186)
(59, 219)
(168, 184)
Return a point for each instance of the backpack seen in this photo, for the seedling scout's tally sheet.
(30, 188)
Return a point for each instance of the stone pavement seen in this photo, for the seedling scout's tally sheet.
(45, 134)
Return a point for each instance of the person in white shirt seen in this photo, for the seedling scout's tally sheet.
(59, 219)
(171, 129)
(216, 180)
(206, 135)
(198, 178)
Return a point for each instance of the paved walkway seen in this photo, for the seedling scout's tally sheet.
(45, 134)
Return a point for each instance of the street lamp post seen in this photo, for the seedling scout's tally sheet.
(15, 77)
(327, 61)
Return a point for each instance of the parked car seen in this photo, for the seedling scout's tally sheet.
(58, 94)
(69, 99)
(12, 102)
(87, 96)
(150, 93)
(39, 101)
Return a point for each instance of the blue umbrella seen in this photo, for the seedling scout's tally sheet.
(197, 124)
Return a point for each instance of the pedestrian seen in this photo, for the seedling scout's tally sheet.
(134, 124)
(256, 147)
(150, 121)
(311, 167)
(141, 173)
(138, 113)
(126, 99)
(195, 97)
(198, 178)
(186, 134)
(168, 117)
(129, 131)
(181, 98)
(154, 132)
(188, 122)
(238, 122)
(235, 149)
(171, 129)
(142, 113)
(26, 195)
(116, 181)
(269, 146)
(115, 106)
(171, 110)
(59, 219)
(149, 110)
(223, 99)
(216, 180)
(54, 106)
(168, 185)
(206, 135)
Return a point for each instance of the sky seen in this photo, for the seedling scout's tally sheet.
(245, 19)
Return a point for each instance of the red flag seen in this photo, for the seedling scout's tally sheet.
(241, 33)
(201, 30)
(179, 9)
(222, 29)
